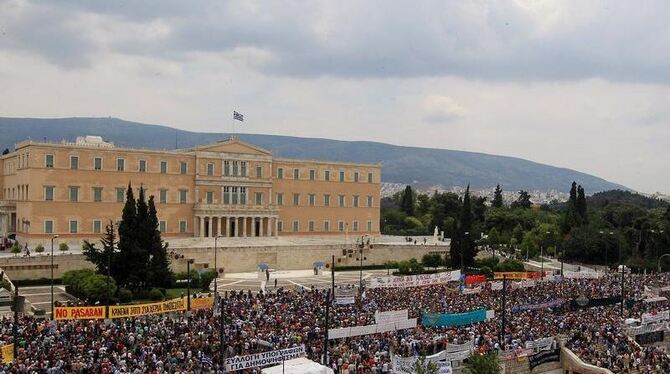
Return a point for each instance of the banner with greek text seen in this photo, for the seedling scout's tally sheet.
(475, 279)
(391, 316)
(67, 313)
(451, 320)
(585, 302)
(407, 365)
(414, 280)
(540, 344)
(654, 317)
(496, 286)
(202, 303)
(134, 310)
(545, 305)
(643, 329)
(472, 291)
(346, 332)
(581, 275)
(544, 357)
(263, 359)
(517, 275)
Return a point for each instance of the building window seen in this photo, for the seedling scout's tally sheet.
(48, 193)
(74, 193)
(182, 196)
(182, 167)
(341, 201)
(243, 168)
(312, 199)
(74, 162)
(162, 196)
(120, 195)
(259, 172)
(226, 195)
(97, 226)
(182, 227)
(369, 201)
(280, 199)
(234, 196)
(48, 226)
(369, 177)
(243, 195)
(235, 168)
(164, 167)
(259, 198)
(355, 176)
(341, 176)
(326, 226)
(210, 197)
(280, 173)
(369, 226)
(97, 194)
(355, 226)
(162, 226)
(210, 169)
(296, 199)
(49, 161)
(312, 174)
(340, 226)
(97, 163)
(355, 201)
(142, 167)
(226, 168)
(280, 226)
(296, 174)
(74, 226)
(310, 226)
(326, 200)
(296, 226)
(326, 175)
(120, 164)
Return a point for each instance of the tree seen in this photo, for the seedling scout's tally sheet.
(482, 364)
(407, 201)
(581, 204)
(423, 367)
(462, 252)
(105, 259)
(431, 260)
(16, 249)
(132, 273)
(159, 265)
(493, 239)
(6, 151)
(39, 248)
(523, 201)
(497, 198)
(63, 247)
(667, 214)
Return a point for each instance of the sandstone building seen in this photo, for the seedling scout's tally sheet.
(228, 188)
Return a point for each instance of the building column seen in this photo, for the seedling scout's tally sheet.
(276, 220)
(261, 232)
(244, 226)
(237, 227)
(201, 225)
(211, 226)
(253, 226)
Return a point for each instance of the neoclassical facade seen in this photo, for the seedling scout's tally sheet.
(228, 188)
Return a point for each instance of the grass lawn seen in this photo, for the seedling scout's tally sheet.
(176, 292)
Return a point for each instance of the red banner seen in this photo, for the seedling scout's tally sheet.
(475, 279)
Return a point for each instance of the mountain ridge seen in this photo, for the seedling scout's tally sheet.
(400, 164)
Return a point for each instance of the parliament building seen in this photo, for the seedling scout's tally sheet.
(229, 188)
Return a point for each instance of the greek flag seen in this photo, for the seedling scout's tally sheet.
(207, 361)
(238, 116)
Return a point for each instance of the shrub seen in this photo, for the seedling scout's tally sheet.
(431, 260)
(155, 294)
(206, 279)
(410, 267)
(88, 285)
(182, 277)
(16, 248)
(510, 265)
(63, 247)
(6, 285)
(482, 364)
(486, 271)
(39, 248)
(125, 295)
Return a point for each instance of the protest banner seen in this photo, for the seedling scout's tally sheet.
(414, 280)
(475, 279)
(68, 313)
(544, 305)
(654, 317)
(7, 351)
(391, 316)
(643, 329)
(407, 365)
(584, 302)
(517, 275)
(544, 357)
(581, 275)
(650, 337)
(124, 311)
(346, 332)
(453, 347)
(496, 286)
(540, 344)
(451, 320)
(202, 303)
(264, 358)
(472, 291)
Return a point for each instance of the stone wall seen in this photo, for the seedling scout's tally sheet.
(232, 259)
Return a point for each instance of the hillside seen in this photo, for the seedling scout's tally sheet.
(423, 166)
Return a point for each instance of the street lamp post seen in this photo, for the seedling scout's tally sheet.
(52, 274)
(465, 234)
(216, 268)
(188, 284)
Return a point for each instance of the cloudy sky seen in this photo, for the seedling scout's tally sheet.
(578, 84)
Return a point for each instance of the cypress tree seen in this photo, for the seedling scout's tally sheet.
(667, 214)
(464, 243)
(159, 266)
(581, 204)
(130, 275)
(497, 198)
(144, 237)
(407, 201)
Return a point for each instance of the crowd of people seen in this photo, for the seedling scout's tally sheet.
(257, 322)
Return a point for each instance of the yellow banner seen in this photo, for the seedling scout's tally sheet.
(124, 311)
(511, 275)
(202, 303)
(62, 313)
(7, 353)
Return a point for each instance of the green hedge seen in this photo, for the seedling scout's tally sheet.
(36, 282)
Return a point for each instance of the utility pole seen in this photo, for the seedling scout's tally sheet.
(325, 337)
(221, 334)
(332, 275)
(188, 285)
(502, 326)
(15, 327)
(623, 271)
